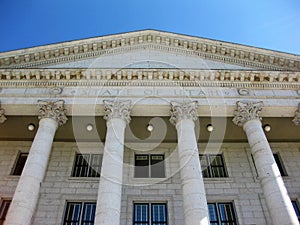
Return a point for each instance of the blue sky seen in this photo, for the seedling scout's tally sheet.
(271, 24)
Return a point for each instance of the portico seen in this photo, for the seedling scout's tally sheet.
(84, 108)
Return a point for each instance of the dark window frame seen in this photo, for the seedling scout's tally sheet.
(80, 216)
(4, 206)
(220, 216)
(150, 213)
(19, 163)
(296, 207)
(210, 166)
(84, 165)
(150, 166)
(280, 164)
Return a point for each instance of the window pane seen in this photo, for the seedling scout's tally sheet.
(157, 166)
(280, 165)
(3, 210)
(141, 215)
(20, 164)
(213, 215)
(296, 208)
(72, 214)
(81, 165)
(216, 160)
(88, 215)
(159, 213)
(95, 165)
(204, 166)
(226, 212)
(217, 166)
(141, 166)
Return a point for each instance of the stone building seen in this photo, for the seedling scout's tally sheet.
(115, 130)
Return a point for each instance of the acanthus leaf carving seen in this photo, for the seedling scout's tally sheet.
(117, 109)
(296, 119)
(53, 110)
(183, 111)
(246, 111)
(2, 115)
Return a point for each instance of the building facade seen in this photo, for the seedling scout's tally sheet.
(149, 127)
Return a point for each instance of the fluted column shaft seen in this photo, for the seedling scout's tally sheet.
(194, 197)
(110, 186)
(26, 196)
(276, 195)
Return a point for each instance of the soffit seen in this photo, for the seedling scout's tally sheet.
(15, 129)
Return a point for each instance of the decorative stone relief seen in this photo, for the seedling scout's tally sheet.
(296, 119)
(2, 116)
(116, 109)
(53, 110)
(55, 91)
(246, 112)
(183, 111)
(243, 91)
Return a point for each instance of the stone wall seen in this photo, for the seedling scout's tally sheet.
(241, 186)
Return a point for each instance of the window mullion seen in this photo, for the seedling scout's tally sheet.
(218, 213)
(150, 165)
(89, 165)
(210, 173)
(81, 213)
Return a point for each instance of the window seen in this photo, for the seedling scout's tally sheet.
(296, 208)
(80, 213)
(280, 164)
(3, 210)
(212, 165)
(149, 166)
(22, 157)
(221, 213)
(87, 165)
(150, 214)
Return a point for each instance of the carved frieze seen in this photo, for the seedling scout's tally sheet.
(246, 111)
(117, 109)
(54, 110)
(181, 111)
(59, 78)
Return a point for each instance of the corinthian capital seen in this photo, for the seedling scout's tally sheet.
(53, 110)
(2, 116)
(183, 111)
(246, 112)
(296, 119)
(116, 109)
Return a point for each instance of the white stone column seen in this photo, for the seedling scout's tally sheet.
(296, 119)
(277, 198)
(194, 197)
(108, 208)
(23, 205)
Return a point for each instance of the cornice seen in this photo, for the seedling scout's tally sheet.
(182, 44)
(149, 77)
